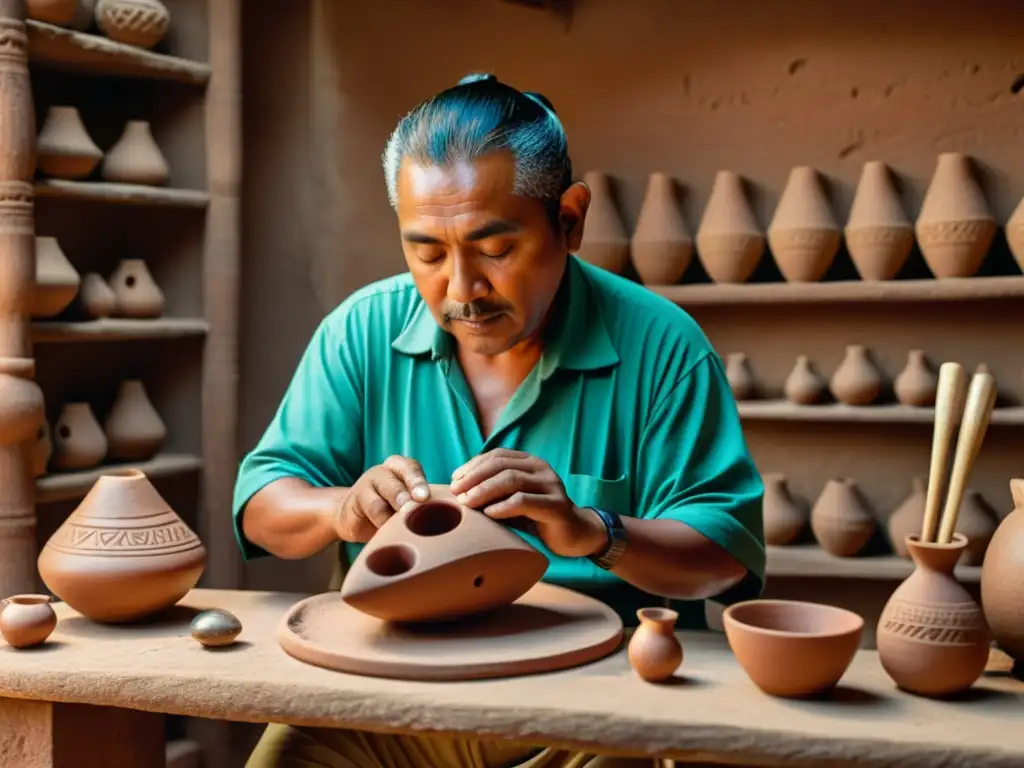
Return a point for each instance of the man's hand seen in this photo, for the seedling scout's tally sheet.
(378, 493)
(506, 484)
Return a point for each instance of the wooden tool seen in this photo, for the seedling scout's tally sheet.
(948, 405)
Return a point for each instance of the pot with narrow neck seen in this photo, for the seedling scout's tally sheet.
(26, 620)
(654, 650)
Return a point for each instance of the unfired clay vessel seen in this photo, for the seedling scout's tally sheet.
(95, 297)
(654, 651)
(1015, 233)
(1002, 580)
(917, 383)
(661, 246)
(134, 429)
(730, 242)
(63, 147)
(804, 385)
(932, 637)
(136, 293)
(856, 381)
(57, 282)
(784, 518)
(142, 23)
(78, 440)
(879, 235)
(605, 243)
(123, 554)
(803, 234)
(26, 620)
(841, 520)
(135, 158)
(740, 377)
(976, 520)
(42, 450)
(955, 226)
(58, 12)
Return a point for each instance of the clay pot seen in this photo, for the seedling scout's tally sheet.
(85, 13)
(123, 554)
(63, 147)
(654, 651)
(856, 381)
(840, 519)
(804, 385)
(1002, 579)
(142, 23)
(605, 243)
(976, 520)
(22, 409)
(908, 518)
(135, 158)
(58, 12)
(730, 242)
(955, 227)
(917, 383)
(803, 234)
(42, 450)
(879, 235)
(133, 427)
(136, 293)
(95, 298)
(57, 282)
(1015, 233)
(932, 637)
(741, 378)
(784, 519)
(78, 440)
(661, 246)
(26, 620)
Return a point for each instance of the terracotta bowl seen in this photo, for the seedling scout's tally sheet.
(791, 648)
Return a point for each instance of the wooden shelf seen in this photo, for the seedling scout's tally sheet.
(117, 329)
(782, 410)
(127, 194)
(949, 289)
(65, 486)
(79, 52)
(812, 562)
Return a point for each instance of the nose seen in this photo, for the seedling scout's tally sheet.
(466, 283)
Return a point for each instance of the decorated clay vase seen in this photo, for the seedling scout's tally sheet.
(879, 235)
(1015, 233)
(57, 282)
(856, 381)
(135, 158)
(78, 439)
(740, 377)
(784, 518)
(136, 294)
(26, 620)
(1002, 580)
(661, 246)
(42, 450)
(142, 23)
(95, 298)
(654, 651)
(604, 243)
(123, 554)
(134, 430)
(730, 242)
(840, 519)
(63, 147)
(60, 13)
(917, 384)
(803, 235)
(932, 637)
(804, 385)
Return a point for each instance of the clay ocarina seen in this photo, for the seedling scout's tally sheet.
(439, 560)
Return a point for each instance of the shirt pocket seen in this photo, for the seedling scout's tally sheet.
(590, 491)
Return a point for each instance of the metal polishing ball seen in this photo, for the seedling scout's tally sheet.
(215, 628)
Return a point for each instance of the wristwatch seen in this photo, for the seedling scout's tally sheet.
(617, 540)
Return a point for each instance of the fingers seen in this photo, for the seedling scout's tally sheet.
(411, 474)
(538, 507)
(500, 486)
(497, 453)
(483, 467)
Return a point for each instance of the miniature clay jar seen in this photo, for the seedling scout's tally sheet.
(58, 12)
(955, 226)
(215, 628)
(917, 383)
(908, 518)
(78, 440)
(134, 429)
(95, 298)
(803, 235)
(840, 519)
(784, 518)
(740, 377)
(1015, 233)
(136, 293)
(63, 147)
(661, 246)
(879, 235)
(976, 520)
(26, 620)
(856, 381)
(804, 385)
(123, 554)
(135, 158)
(730, 242)
(932, 637)
(22, 409)
(654, 651)
(142, 23)
(57, 282)
(604, 243)
(42, 450)
(1002, 580)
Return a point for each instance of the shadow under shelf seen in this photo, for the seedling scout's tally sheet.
(66, 486)
(811, 561)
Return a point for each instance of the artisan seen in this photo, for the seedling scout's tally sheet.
(546, 391)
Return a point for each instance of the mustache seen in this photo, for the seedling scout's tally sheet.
(472, 310)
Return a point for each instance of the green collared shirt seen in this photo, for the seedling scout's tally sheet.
(629, 404)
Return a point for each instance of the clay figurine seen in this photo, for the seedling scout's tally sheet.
(803, 235)
(784, 519)
(26, 620)
(661, 246)
(730, 242)
(804, 385)
(841, 520)
(605, 243)
(654, 650)
(142, 23)
(856, 381)
(1002, 580)
(215, 628)
(879, 235)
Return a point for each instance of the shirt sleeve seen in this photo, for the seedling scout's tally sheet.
(316, 434)
(695, 468)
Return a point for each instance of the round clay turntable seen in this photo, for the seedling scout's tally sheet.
(548, 628)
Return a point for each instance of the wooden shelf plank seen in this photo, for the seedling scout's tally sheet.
(65, 486)
(73, 51)
(126, 194)
(782, 410)
(117, 329)
(949, 289)
(812, 562)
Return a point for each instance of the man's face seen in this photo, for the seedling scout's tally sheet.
(486, 261)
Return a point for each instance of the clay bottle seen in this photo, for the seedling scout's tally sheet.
(841, 520)
(142, 23)
(804, 385)
(932, 638)
(740, 377)
(856, 381)
(661, 244)
(784, 519)
(879, 235)
(136, 293)
(917, 383)
(1015, 233)
(803, 234)
(96, 298)
(605, 243)
(123, 554)
(907, 519)
(977, 522)
(63, 147)
(42, 450)
(78, 440)
(654, 651)
(135, 158)
(60, 13)
(57, 282)
(1002, 574)
(955, 227)
(730, 242)
(26, 620)
(133, 428)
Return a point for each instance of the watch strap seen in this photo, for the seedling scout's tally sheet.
(617, 540)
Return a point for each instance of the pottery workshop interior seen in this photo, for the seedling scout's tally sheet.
(832, 192)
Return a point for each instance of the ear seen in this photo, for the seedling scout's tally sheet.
(572, 214)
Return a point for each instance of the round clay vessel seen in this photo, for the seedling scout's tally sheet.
(1002, 579)
(661, 245)
(977, 521)
(730, 242)
(96, 298)
(63, 147)
(908, 518)
(605, 243)
(123, 554)
(784, 519)
(879, 235)
(804, 385)
(22, 408)
(57, 281)
(840, 519)
(42, 450)
(791, 648)
(60, 13)
(654, 651)
(142, 23)
(856, 381)
(932, 637)
(740, 377)
(215, 628)
(803, 235)
(134, 430)
(917, 383)
(26, 620)
(1015, 233)
(137, 294)
(78, 439)
(135, 158)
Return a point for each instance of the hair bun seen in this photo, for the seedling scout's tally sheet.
(478, 77)
(541, 98)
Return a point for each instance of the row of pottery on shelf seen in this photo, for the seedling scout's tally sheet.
(955, 228)
(141, 23)
(64, 150)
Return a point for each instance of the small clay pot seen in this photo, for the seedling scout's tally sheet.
(803, 234)
(841, 520)
(57, 281)
(604, 243)
(215, 628)
(27, 620)
(142, 23)
(654, 650)
(661, 245)
(134, 429)
(730, 242)
(64, 149)
(856, 381)
(741, 379)
(137, 294)
(784, 519)
(135, 158)
(95, 298)
(917, 383)
(908, 517)
(804, 385)
(78, 439)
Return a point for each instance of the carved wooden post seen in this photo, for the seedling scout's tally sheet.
(21, 400)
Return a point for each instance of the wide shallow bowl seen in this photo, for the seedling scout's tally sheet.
(792, 648)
